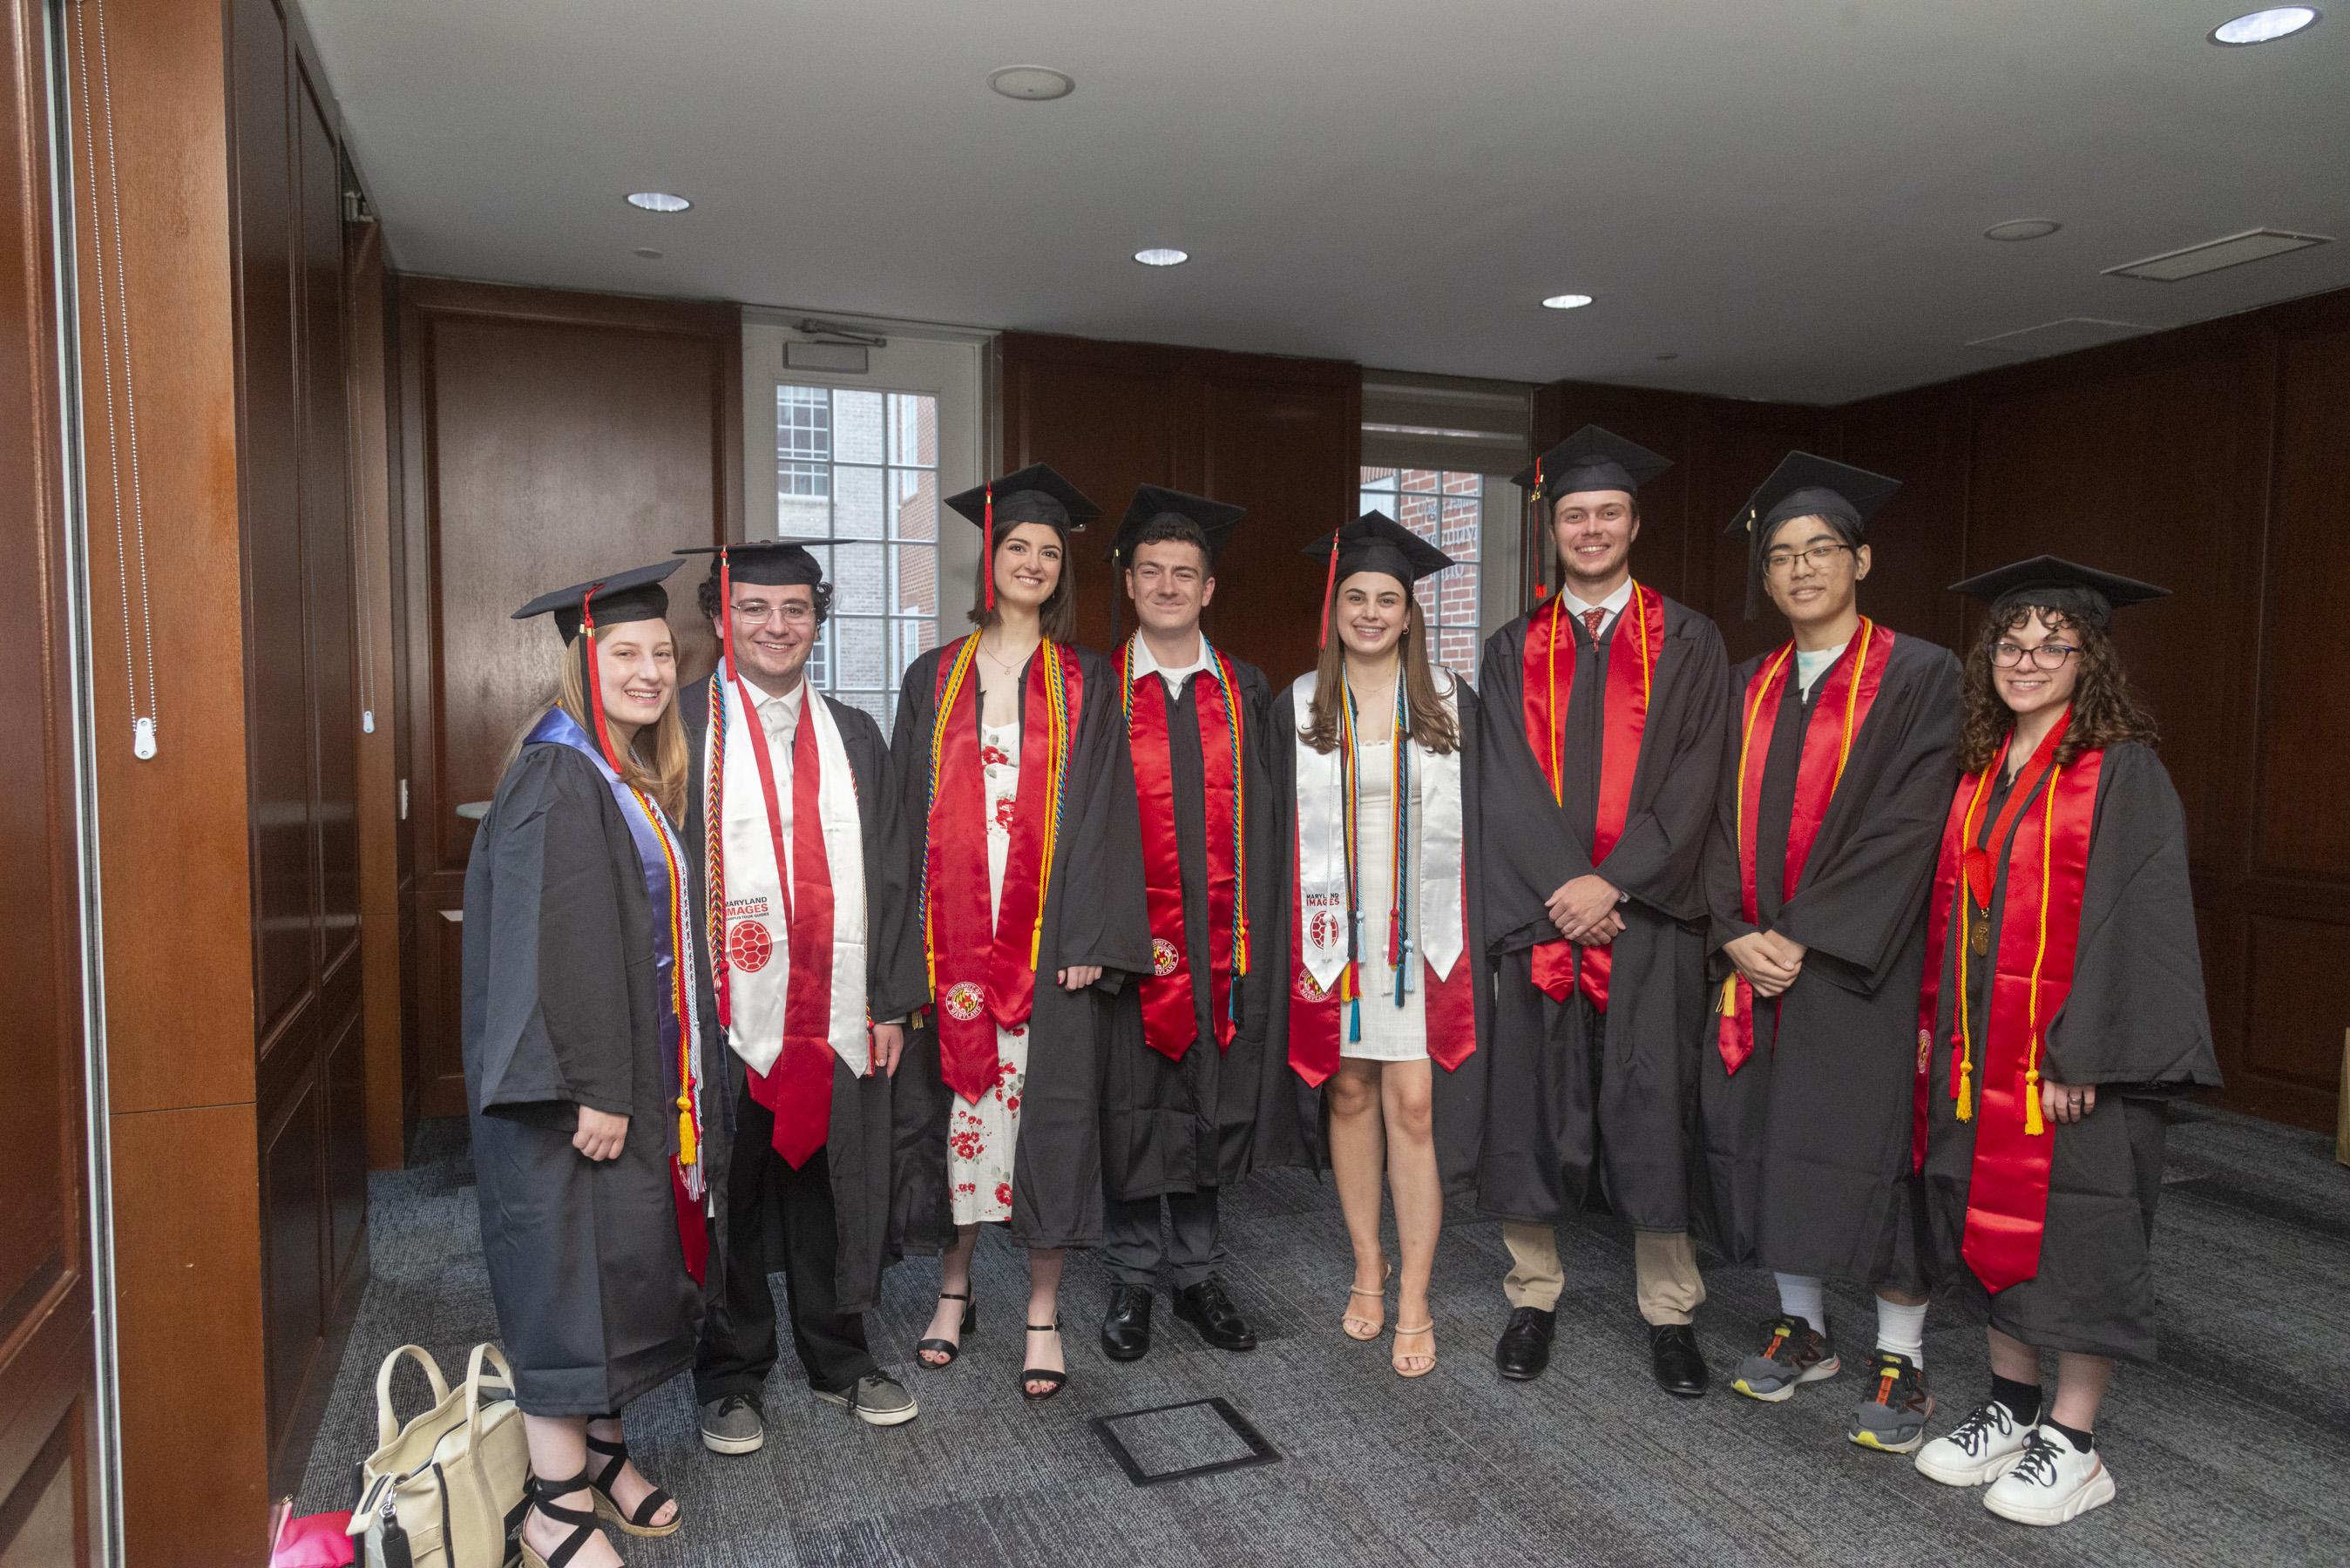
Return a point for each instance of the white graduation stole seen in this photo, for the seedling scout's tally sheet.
(758, 949)
(1438, 917)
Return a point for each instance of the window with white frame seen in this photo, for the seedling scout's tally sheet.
(860, 468)
(1447, 509)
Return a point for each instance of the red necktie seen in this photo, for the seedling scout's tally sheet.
(803, 1074)
(1593, 619)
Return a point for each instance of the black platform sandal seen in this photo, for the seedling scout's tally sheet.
(609, 1507)
(1054, 1380)
(950, 1348)
(582, 1520)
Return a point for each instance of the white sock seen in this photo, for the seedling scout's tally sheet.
(1799, 1296)
(1902, 1330)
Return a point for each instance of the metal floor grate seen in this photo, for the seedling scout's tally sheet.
(1170, 1442)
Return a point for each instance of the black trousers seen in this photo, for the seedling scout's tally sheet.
(776, 1218)
(1191, 1251)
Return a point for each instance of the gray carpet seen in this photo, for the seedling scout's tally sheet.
(2235, 1450)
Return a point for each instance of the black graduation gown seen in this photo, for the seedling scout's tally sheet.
(858, 1144)
(2134, 1025)
(1180, 1126)
(560, 1010)
(1806, 1149)
(1094, 914)
(1292, 1129)
(1576, 1093)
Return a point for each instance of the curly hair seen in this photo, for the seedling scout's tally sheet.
(705, 595)
(2106, 709)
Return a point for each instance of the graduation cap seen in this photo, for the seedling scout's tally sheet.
(2049, 582)
(1805, 485)
(1032, 494)
(631, 595)
(1154, 503)
(1374, 542)
(1590, 459)
(770, 563)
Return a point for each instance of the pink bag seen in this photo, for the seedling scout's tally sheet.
(313, 1540)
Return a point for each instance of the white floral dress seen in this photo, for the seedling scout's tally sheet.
(982, 1139)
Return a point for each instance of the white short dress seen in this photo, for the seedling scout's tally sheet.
(1389, 1032)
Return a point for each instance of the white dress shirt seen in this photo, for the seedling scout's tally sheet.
(1174, 675)
(1612, 603)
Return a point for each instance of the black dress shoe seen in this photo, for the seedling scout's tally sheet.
(1125, 1327)
(1206, 1308)
(1673, 1352)
(1525, 1347)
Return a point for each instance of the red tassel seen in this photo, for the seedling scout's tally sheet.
(988, 549)
(1533, 530)
(1329, 591)
(725, 612)
(595, 681)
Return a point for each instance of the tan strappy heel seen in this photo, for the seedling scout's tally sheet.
(1397, 1359)
(1346, 1325)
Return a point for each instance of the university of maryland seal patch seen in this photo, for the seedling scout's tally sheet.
(1308, 988)
(1162, 957)
(964, 1001)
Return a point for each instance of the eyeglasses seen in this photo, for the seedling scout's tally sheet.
(2047, 656)
(1818, 558)
(793, 611)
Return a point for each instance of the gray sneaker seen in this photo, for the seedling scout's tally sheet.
(877, 1399)
(731, 1425)
(1892, 1418)
(1794, 1354)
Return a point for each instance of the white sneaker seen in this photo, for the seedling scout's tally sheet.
(2053, 1482)
(1983, 1448)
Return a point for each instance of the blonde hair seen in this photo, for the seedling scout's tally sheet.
(657, 761)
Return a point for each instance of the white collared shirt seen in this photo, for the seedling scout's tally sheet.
(779, 716)
(1613, 604)
(1175, 676)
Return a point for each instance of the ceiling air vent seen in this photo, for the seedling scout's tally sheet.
(2059, 336)
(2252, 245)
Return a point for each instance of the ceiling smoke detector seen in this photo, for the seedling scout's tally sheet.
(2022, 228)
(1031, 84)
(2235, 250)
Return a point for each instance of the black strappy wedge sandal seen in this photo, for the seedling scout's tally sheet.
(1054, 1380)
(608, 1508)
(950, 1348)
(582, 1520)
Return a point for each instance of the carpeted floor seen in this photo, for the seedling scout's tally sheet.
(2235, 1450)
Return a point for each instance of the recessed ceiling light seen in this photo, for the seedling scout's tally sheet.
(1031, 84)
(2264, 26)
(2022, 228)
(649, 253)
(1162, 255)
(1566, 302)
(658, 201)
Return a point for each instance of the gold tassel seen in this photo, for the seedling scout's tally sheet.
(1729, 1003)
(2032, 1126)
(686, 1152)
(1966, 1090)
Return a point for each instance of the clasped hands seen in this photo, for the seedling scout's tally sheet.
(1585, 910)
(1769, 960)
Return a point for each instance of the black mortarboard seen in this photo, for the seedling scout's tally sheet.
(1590, 459)
(1805, 485)
(633, 594)
(1374, 542)
(2049, 582)
(1034, 495)
(1151, 502)
(769, 563)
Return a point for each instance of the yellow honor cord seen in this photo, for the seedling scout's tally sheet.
(2031, 1123)
(1965, 1086)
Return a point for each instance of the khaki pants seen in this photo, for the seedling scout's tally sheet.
(1664, 1267)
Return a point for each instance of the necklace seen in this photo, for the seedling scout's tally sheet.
(1009, 669)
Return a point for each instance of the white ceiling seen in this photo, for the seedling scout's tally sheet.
(1787, 195)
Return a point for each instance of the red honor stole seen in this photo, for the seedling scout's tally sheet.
(1848, 690)
(982, 970)
(1559, 966)
(2032, 975)
(1169, 1020)
(1318, 1014)
(799, 1089)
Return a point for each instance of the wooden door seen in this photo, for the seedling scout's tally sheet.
(48, 1389)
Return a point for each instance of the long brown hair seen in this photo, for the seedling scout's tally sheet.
(1057, 616)
(2106, 709)
(1426, 719)
(657, 761)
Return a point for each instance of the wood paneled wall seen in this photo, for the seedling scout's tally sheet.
(546, 438)
(2212, 460)
(1281, 437)
(49, 1481)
